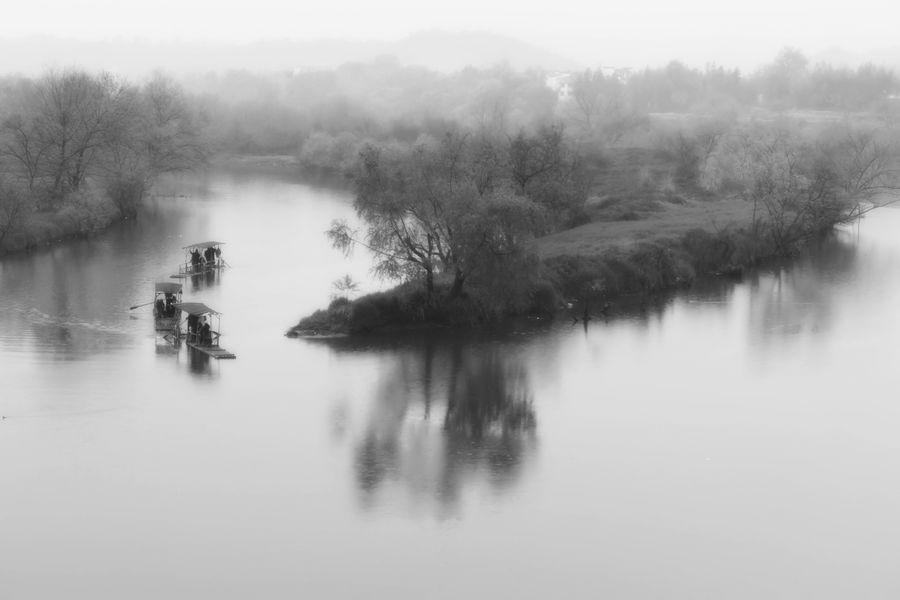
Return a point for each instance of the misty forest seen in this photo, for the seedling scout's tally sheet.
(482, 192)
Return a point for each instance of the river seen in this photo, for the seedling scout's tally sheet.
(739, 439)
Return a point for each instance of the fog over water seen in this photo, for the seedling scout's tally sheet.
(733, 440)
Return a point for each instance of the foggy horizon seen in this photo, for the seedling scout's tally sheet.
(206, 36)
(141, 56)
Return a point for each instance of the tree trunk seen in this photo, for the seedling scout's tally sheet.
(429, 283)
(458, 281)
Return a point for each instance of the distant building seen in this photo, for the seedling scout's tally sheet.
(620, 73)
(561, 83)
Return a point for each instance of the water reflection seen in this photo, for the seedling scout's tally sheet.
(453, 414)
(446, 414)
(800, 297)
(642, 309)
(164, 345)
(200, 363)
(203, 280)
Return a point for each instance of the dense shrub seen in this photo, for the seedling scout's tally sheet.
(544, 299)
(707, 251)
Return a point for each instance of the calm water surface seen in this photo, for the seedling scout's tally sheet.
(737, 440)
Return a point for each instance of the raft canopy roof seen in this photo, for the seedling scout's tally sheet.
(196, 308)
(166, 287)
(200, 245)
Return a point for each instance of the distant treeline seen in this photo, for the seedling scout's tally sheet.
(79, 144)
(326, 116)
(78, 150)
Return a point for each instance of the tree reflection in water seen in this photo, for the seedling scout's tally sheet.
(800, 296)
(448, 415)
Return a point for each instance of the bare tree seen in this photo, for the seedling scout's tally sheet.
(691, 146)
(429, 214)
(65, 121)
(588, 89)
(802, 186)
(171, 139)
(25, 146)
(865, 161)
(78, 114)
(13, 207)
(600, 105)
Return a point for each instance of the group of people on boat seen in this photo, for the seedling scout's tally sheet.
(209, 257)
(199, 330)
(166, 308)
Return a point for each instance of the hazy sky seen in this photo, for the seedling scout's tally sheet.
(622, 33)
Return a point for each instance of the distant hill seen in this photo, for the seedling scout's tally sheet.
(445, 51)
(439, 50)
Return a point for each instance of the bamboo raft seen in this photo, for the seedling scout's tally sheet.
(162, 292)
(187, 271)
(214, 351)
(191, 269)
(192, 339)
